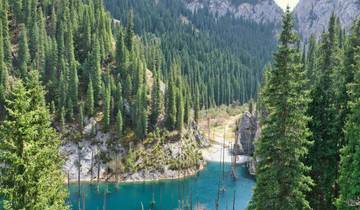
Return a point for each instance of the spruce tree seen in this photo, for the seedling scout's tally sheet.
(90, 100)
(141, 113)
(350, 154)
(155, 101)
(95, 64)
(180, 111)
(121, 54)
(119, 124)
(326, 125)
(23, 53)
(129, 36)
(187, 109)
(171, 106)
(107, 105)
(281, 181)
(3, 72)
(81, 115)
(32, 178)
(5, 34)
(197, 105)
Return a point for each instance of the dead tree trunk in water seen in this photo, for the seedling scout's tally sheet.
(83, 201)
(234, 200)
(92, 166)
(79, 169)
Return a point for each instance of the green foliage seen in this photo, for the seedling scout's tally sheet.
(155, 101)
(119, 124)
(171, 105)
(32, 178)
(90, 99)
(350, 154)
(226, 67)
(197, 105)
(24, 55)
(281, 181)
(326, 125)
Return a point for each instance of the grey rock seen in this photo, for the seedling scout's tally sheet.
(263, 11)
(313, 15)
(246, 133)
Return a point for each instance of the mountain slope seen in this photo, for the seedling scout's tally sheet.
(219, 52)
(313, 15)
(259, 11)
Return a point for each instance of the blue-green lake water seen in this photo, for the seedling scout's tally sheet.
(202, 188)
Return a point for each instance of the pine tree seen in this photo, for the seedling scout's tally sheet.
(171, 106)
(141, 113)
(90, 100)
(325, 125)
(32, 178)
(129, 36)
(311, 60)
(179, 111)
(187, 109)
(96, 70)
(62, 118)
(107, 105)
(350, 154)
(24, 55)
(197, 105)
(5, 34)
(121, 54)
(128, 88)
(119, 124)
(155, 101)
(281, 182)
(3, 72)
(81, 115)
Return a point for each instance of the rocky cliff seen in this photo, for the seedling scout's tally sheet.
(259, 11)
(245, 136)
(247, 133)
(313, 16)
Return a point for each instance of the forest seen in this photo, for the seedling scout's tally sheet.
(144, 76)
(308, 150)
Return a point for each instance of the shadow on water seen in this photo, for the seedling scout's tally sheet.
(200, 190)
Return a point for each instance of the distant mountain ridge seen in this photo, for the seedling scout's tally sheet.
(312, 16)
(259, 11)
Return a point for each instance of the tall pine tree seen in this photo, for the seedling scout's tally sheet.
(281, 181)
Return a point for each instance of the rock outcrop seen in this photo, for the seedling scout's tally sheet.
(313, 15)
(259, 11)
(246, 133)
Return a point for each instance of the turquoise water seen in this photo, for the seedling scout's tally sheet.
(167, 194)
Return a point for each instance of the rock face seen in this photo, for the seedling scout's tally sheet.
(246, 134)
(313, 15)
(89, 149)
(259, 11)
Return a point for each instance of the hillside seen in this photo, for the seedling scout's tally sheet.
(312, 16)
(221, 54)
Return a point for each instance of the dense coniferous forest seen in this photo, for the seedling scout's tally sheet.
(146, 75)
(223, 56)
(309, 108)
(62, 62)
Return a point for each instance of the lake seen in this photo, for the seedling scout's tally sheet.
(202, 189)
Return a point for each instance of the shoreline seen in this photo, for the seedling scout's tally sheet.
(210, 154)
(189, 173)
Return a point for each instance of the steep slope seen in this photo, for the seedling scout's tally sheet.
(221, 46)
(313, 15)
(259, 11)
